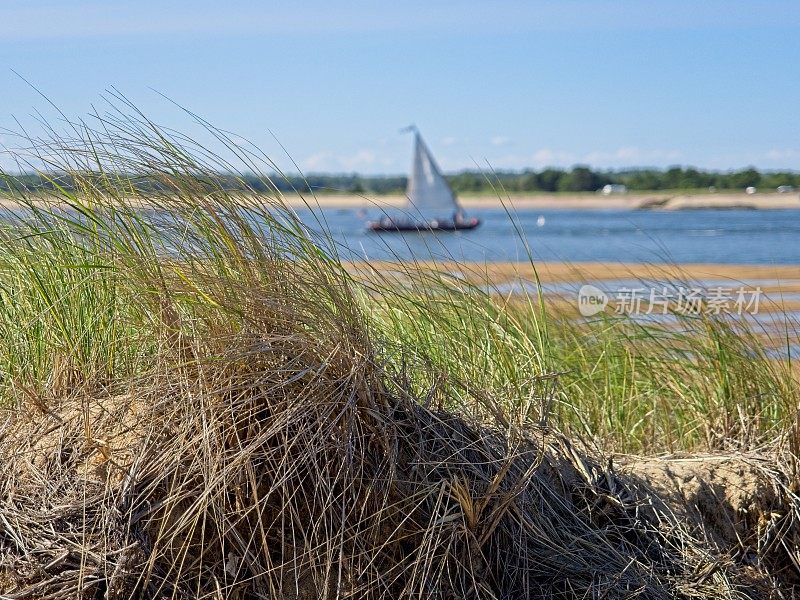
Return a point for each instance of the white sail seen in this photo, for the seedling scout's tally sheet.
(429, 195)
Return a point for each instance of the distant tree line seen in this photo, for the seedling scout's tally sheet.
(579, 178)
(583, 179)
(349, 183)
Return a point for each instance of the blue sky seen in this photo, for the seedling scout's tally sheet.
(513, 84)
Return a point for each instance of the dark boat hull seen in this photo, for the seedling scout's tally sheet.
(429, 226)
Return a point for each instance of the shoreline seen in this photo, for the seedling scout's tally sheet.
(588, 201)
(540, 201)
(561, 272)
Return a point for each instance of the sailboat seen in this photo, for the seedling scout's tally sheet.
(431, 206)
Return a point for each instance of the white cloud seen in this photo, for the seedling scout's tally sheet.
(627, 156)
(364, 161)
(545, 157)
(368, 160)
(363, 158)
(500, 140)
(629, 153)
(783, 155)
(316, 162)
(630, 156)
(774, 158)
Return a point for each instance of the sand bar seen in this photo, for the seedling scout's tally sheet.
(548, 272)
(577, 201)
(651, 201)
(779, 285)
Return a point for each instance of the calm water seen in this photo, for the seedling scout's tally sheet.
(720, 236)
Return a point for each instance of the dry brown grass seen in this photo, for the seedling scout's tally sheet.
(248, 421)
(279, 464)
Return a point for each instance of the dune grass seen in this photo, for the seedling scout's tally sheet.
(97, 278)
(704, 382)
(212, 405)
(79, 305)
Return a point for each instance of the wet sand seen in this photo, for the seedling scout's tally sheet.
(547, 272)
(779, 284)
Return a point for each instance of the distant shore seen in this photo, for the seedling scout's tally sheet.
(544, 201)
(637, 201)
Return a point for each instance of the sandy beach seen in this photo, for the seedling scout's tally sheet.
(650, 201)
(577, 201)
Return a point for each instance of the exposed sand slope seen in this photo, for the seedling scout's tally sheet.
(175, 491)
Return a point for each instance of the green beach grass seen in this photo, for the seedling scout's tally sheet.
(80, 294)
(92, 285)
(205, 402)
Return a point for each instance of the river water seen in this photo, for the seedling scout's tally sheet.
(717, 236)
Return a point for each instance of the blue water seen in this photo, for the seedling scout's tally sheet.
(718, 236)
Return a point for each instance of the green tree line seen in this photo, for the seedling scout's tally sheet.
(584, 179)
(579, 178)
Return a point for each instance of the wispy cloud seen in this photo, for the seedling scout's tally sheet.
(316, 162)
(631, 156)
(626, 156)
(500, 140)
(363, 160)
(774, 158)
(783, 155)
(545, 157)
(368, 160)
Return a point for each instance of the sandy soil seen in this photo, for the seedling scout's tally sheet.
(727, 498)
(89, 480)
(653, 201)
